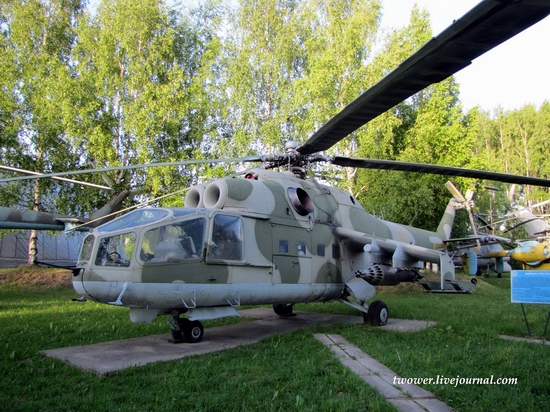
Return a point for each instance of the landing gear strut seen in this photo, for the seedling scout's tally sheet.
(185, 330)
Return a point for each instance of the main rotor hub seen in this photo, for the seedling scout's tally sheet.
(291, 146)
(292, 160)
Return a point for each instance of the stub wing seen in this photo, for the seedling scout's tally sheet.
(374, 251)
(386, 261)
(475, 242)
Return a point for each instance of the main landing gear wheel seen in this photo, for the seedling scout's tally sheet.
(377, 315)
(193, 331)
(190, 331)
(284, 310)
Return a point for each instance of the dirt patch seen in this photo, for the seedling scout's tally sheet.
(36, 277)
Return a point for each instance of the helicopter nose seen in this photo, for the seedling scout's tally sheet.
(77, 280)
(104, 287)
(79, 288)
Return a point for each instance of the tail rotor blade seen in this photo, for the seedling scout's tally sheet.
(454, 191)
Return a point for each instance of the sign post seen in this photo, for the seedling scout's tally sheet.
(531, 286)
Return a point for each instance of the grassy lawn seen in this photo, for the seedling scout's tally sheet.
(284, 372)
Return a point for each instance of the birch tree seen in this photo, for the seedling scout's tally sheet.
(38, 37)
(146, 69)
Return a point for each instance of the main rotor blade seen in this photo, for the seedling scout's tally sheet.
(142, 166)
(78, 182)
(487, 25)
(438, 170)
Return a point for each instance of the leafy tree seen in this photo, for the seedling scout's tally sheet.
(407, 133)
(123, 86)
(261, 60)
(143, 72)
(37, 39)
(540, 149)
(512, 142)
(338, 41)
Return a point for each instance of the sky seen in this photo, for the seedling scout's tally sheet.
(512, 75)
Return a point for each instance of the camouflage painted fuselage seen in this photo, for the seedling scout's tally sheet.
(267, 238)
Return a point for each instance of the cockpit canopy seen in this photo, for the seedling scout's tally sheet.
(141, 217)
(164, 235)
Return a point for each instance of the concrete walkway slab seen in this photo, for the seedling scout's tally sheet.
(111, 356)
(116, 355)
(528, 340)
(404, 397)
(406, 325)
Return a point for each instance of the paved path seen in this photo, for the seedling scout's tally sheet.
(406, 398)
(111, 356)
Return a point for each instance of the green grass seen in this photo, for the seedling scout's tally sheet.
(285, 372)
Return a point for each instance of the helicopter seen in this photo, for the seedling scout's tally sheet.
(487, 252)
(532, 253)
(473, 253)
(278, 237)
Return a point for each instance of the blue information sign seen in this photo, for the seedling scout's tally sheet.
(530, 286)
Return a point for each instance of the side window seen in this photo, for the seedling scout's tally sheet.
(320, 249)
(227, 238)
(301, 248)
(115, 250)
(173, 243)
(283, 246)
(87, 246)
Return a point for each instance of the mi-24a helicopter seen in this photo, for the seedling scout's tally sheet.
(277, 237)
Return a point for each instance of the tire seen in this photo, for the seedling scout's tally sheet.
(284, 310)
(377, 314)
(177, 335)
(193, 331)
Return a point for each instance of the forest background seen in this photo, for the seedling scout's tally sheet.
(139, 82)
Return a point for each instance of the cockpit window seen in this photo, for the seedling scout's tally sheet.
(174, 242)
(115, 250)
(136, 218)
(227, 238)
(86, 251)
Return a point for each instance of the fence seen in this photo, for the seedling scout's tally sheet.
(61, 249)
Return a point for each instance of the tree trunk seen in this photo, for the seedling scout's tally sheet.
(33, 247)
(33, 239)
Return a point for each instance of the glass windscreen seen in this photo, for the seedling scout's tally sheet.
(115, 250)
(174, 242)
(87, 246)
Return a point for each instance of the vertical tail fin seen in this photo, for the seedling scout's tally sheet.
(446, 224)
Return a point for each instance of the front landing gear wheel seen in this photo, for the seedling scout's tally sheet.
(185, 330)
(377, 314)
(193, 331)
(177, 335)
(284, 310)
